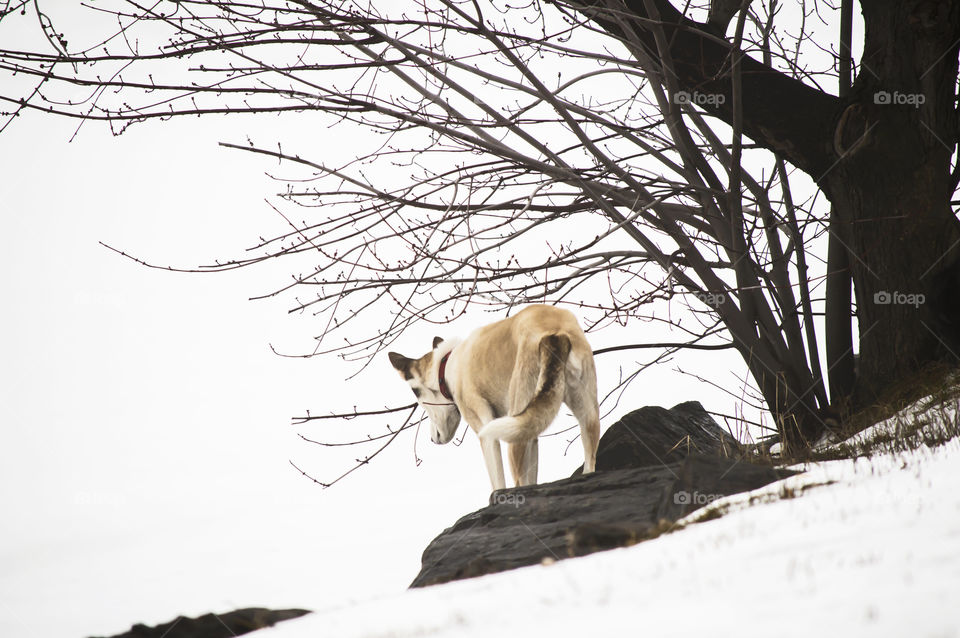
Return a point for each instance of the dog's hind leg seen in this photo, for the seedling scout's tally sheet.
(581, 398)
(589, 420)
(523, 387)
(531, 462)
(523, 461)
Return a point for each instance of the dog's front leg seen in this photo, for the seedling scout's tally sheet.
(494, 460)
(477, 415)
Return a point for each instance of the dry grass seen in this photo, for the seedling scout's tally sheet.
(719, 510)
(899, 424)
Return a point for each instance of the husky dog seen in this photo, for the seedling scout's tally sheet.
(508, 380)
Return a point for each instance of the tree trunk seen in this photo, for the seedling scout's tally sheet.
(838, 331)
(902, 251)
(891, 189)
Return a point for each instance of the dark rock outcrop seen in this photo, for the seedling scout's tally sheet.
(657, 436)
(654, 467)
(234, 623)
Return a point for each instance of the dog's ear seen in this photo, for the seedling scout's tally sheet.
(436, 342)
(401, 363)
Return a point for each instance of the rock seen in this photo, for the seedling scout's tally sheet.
(234, 623)
(657, 466)
(655, 435)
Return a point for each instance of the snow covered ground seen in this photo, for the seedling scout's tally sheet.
(867, 547)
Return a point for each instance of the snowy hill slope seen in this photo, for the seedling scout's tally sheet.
(849, 548)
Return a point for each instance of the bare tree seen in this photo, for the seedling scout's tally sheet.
(621, 157)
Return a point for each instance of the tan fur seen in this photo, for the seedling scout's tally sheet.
(508, 380)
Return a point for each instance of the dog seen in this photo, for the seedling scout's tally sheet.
(507, 380)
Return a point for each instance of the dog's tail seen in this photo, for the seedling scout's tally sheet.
(543, 408)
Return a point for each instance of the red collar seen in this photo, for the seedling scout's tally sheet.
(444, 388)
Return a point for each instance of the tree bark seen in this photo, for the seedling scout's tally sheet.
(891, 189)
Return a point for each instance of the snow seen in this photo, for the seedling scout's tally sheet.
(865, 547)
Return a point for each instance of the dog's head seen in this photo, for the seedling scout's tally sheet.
(423, 375)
